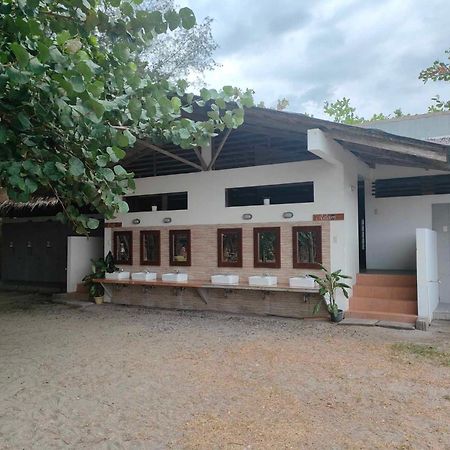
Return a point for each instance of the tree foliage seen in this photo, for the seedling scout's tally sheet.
(75, 94)
(438, 71)
(282, 104)
(342, 111)
(180, 52)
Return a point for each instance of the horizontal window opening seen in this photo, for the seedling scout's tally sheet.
(410, 186)
(163, 202)
(277, 194)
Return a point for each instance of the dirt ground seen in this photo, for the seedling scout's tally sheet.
(108, 376)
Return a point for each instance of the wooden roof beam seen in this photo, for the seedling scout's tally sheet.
(426, 150)
(219, 149)
(172, 155)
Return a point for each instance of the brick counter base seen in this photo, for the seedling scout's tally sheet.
(282, 304)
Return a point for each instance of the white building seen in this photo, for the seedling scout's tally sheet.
(365, 191)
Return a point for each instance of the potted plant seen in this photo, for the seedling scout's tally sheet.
(329, 284)
(96, 291)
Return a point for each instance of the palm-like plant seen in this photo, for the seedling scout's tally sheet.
(329, 284)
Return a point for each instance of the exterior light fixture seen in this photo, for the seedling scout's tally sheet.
(247, 216)
(288, 215)
(136, 221)
(167, 219)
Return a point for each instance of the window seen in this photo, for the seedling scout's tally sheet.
(229, 247)
(277, 193)
(123, 247)
(409, 186)
(180, 247)
(164, 202)
(266, 247)
(307, 247)
(150, 248)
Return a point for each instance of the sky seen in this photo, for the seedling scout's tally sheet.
(371, 51)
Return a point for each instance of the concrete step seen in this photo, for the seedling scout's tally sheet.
(388, 292)
(383, 316)
(383, 305)
(377, 323)
(369, 279)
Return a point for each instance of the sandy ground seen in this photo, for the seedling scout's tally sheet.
(120, 377)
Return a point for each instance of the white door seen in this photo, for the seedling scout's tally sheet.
(427, 273)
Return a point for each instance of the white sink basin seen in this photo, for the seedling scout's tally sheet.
(117, 276)
(144, 276)
(224, 279)
(175, 277)
(264, 280)
(302, 282)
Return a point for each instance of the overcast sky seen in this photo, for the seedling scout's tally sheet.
(311, 51)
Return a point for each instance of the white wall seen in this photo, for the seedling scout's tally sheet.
(206, 194)
(427, 273)
(80, 251)
(391, 223)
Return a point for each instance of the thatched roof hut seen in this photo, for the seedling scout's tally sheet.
(38, 207)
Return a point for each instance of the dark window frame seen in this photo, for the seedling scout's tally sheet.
(277, 263)
(311, 228)
(256, 194)
(172, 236)
(161, 200)
(220, 233)
(130, 235)
(157, 237)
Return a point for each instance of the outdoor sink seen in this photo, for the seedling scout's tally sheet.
(302, 282)
(224, 279)
(175, 277)
(117, 276)
(262, 280)
(144, 276)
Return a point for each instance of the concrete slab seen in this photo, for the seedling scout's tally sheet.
(396, 325)
(442, 312)
(359, 322)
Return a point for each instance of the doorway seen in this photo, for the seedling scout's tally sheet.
(362, 225)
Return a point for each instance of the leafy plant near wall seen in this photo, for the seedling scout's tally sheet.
(329, 285)
(110, 265)
(99, 267)
(76, 93)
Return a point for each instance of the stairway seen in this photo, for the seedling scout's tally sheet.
(384, 297)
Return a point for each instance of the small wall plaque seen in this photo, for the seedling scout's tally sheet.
(113, 224)
(327, 217)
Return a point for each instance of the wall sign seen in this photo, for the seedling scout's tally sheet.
(113, 224)
(326, 217)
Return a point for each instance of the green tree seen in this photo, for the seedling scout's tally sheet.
(342, 111)
(180, 52)
(438, 71)
(281, 105)
(75, 93)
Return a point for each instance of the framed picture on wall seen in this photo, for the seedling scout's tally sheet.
(123, 247)
(180, 247)
(307, 247)
(266, 247)
(150, 245)
(229, 247)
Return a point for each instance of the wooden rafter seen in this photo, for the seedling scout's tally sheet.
(171, 155)
(381, 156)
(219, 149)
(200, 158)
(423, 150)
